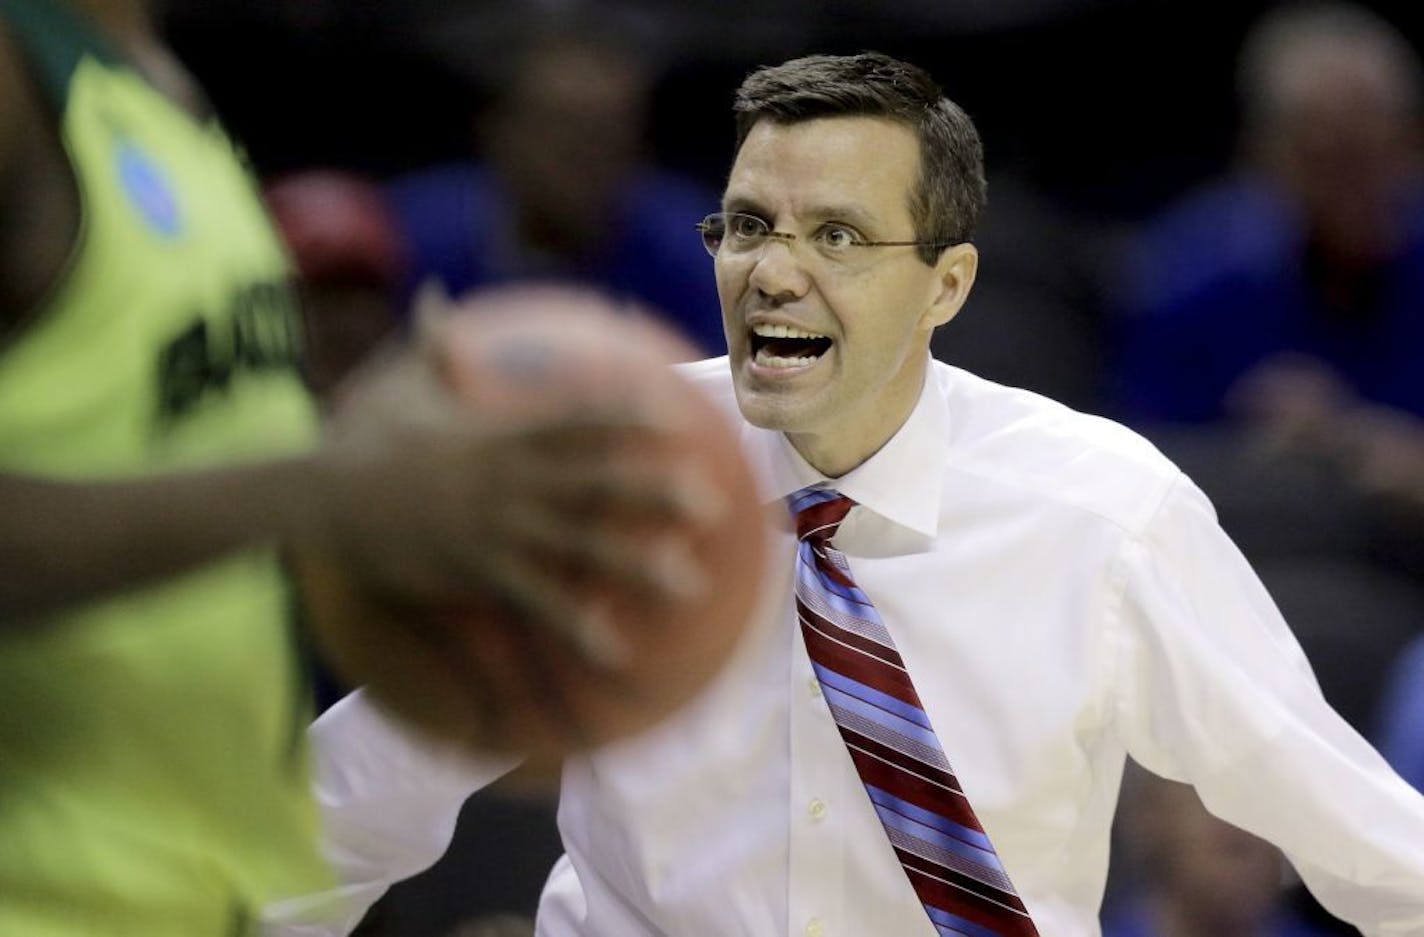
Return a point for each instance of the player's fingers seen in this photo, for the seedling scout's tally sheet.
(610, 419)
(616, 484)
(465, 664)
(533, 595)
(662, 564)
(546, 691)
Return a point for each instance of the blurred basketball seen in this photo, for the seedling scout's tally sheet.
(478, 675)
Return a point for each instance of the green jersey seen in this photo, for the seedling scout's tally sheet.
(152, 771)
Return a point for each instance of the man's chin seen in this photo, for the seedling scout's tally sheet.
(773, 411)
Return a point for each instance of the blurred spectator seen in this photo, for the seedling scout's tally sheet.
(1291, 288)
(1401, 736)
(1196, 876)
(1271, 332)
(563, 193)
(350, 260)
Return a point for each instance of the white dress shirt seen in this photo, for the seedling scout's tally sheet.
(1062, 596)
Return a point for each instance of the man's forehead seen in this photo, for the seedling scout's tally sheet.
(827, 166)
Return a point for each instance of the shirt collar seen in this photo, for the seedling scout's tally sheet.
(902, 482)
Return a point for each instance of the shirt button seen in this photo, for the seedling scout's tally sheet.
(817, 809)
(814, 685)
(815, 927)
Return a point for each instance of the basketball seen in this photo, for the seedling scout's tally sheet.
(476, 674)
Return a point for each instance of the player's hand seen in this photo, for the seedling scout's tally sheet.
(427, 501)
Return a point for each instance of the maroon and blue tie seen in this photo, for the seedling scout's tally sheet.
(940, 844)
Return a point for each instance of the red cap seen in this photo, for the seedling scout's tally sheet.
(339, 228)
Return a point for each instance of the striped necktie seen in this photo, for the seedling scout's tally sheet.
(940, 844)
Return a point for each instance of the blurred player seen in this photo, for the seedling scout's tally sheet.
(156, 449)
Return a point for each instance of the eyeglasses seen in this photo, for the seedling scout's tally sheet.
(738, 233)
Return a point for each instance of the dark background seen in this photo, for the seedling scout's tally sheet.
(1108, 108)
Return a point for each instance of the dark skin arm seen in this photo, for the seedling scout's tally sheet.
(39, 201)
(432, 506)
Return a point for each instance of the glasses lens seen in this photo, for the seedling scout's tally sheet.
(713, 228)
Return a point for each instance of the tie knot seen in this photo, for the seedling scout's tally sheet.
(818, 512)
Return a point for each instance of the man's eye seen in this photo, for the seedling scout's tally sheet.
(837, 237)
(745, 226)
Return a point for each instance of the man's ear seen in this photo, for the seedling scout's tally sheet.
(954, 271)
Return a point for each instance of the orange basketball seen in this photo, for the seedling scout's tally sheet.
(477, 675)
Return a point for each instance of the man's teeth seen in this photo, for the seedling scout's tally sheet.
(767, 360)
(783, 331)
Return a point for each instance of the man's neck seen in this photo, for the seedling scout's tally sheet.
(830, 456)
(834, 451)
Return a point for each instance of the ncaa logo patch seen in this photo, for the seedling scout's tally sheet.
(148, 190)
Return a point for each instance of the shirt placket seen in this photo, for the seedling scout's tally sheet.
(818, 836)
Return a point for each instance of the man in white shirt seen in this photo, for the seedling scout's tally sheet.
(1060, 594)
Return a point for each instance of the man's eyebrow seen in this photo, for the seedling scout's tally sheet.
(742, 203)
(849, 213)
(852, 214)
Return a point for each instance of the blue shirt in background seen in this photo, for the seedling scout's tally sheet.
(458, 222)
(1222, 282)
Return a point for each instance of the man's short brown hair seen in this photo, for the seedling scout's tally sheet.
(949, 196)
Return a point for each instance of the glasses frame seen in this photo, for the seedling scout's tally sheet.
(705, 227)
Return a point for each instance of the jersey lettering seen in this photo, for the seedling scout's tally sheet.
(258, 331)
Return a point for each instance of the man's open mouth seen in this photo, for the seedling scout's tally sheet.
(785, 346)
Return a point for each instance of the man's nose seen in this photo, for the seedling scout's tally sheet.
(777, 271)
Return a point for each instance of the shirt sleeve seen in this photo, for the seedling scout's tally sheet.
(1214, 690)
(389, 800)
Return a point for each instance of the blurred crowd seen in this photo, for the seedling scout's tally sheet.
(1262, 323)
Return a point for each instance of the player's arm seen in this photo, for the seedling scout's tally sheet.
(16, 126)
(414, 494)
(63, 542)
